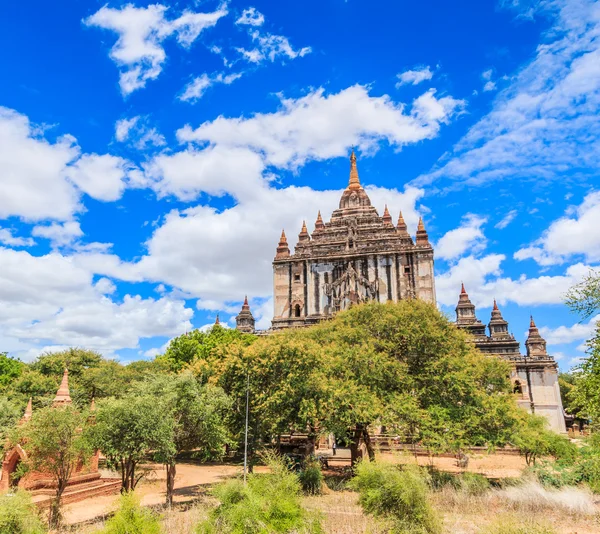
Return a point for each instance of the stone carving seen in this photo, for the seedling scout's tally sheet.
(350, 288)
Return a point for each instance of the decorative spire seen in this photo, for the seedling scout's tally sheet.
(535, 343)
(283, 251)
(244, 322)
(28, 411)
(387, 218)
(93, 405)
(354, 182)
(532, 322)
(63, 396)
(495, 306)
(319, 223)
(246, 306)
(217, 322)
(303, 236)
(422, 237)
(498, 326)
(463, 291)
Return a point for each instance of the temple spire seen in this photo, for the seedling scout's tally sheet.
(283, 251)
(495, 306)
(246, 306)
(387, 218)
(63, 396)
(319, 223)
(463, 291)
(217, 321)
(303, 235)
(28, 411)
(354, 182)
(422, 237)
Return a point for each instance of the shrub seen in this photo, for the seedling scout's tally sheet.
(311, 477)
(514, 526)
(132, 518)
(556, 474)
(398, 493)
(18, 515)
(468, 483)
(268, 503)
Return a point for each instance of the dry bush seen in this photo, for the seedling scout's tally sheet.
(533, 497)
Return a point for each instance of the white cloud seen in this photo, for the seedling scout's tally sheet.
(52, 300)
(487, 74)
(415, 76)
(60, 235)
(101, 177)
(506, 220)
(489, 86)
(543, 125)
(271, 47)
(568, 334)
(576, 233)
(320, 126)
(8, 238)
(467, 237)
(138, 51)
(251, 17)
(199, 85)
(123, 128)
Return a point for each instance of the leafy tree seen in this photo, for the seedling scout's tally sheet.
(75, 359)
(54, 443)
(18, 515)
(129, 429)
(10, 369)
(198, 414)
(183, 350)
(132, 518)
(34, 384)
(584, 297)
(10, 413)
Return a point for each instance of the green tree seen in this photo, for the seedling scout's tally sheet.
(198, 413)
(534, 440)
(128, 430)
(10, 413)
(10, 369)
(18, 515)
(132, 518)
(54, 442)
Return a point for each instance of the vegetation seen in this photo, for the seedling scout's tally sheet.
(132, 518)
(268, 503)
(534, 440)
(399, 493)
(10, 413)
(311, 476)
(18, 515)
(127, 430)
(54, 443)
(517, 526)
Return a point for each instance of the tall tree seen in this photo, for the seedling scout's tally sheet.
(9, 415)
(10, 369)
(198, 413)
(54, 442)
(128, 430)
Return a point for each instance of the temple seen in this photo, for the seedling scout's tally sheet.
(355, 257)
(534, 375)
(85, 480)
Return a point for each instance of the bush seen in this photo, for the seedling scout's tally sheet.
(268, 503)
(399, 493)
(311, 477)
(514, 526)
(18, 515)
(132, 518)
(468, 483)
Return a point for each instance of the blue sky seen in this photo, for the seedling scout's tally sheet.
(151, 153)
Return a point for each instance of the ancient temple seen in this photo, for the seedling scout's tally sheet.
(534, 375)
(355, 257)
(244, 322)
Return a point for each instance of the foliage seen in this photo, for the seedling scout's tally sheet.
(521, 525)
(18, 515)
(10, 413)
(268, 504)
(584, 297)
(126, 430)
(586, 392)
(534, 440)
(400, 493)
(198, 417)
(54, 442)
(567, 383)
(311, 476)
(132, 518)
(10, 369)
(198, 345)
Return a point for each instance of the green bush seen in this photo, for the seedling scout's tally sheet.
(267, 504)
(18, 515)
(469, 483)
(516, 526)
(132, 518)
(399, 493)
(311, 477)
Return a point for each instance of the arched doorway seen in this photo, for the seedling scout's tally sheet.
(12, 473)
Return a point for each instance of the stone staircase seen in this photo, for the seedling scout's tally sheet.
(42, 497)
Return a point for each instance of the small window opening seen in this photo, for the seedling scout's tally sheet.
(518, 389)
(406, 269)
(297, 310)
(296, 278)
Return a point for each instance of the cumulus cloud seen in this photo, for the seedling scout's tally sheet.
(251, 17)
(101, 177)
(59, 234)
(506, 220)
(52, 300)
(138, 52)
(467, 237)
(415, 76)
(568, 334)
(320, 126)
(544, 123)
(198, 86)
(576, 233)
(7, 237)
(271, 47)
(138, 133)
(123, 128)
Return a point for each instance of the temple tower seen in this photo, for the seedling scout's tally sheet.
(244, 322)
(355, 257)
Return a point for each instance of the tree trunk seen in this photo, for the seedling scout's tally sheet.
(354, 456)
(171, 470)
(54, 515)
(311, 442)
(367, 439)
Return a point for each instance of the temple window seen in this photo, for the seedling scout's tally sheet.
(517, 388)
(296, 278)
(407, 269)
(297, 310)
